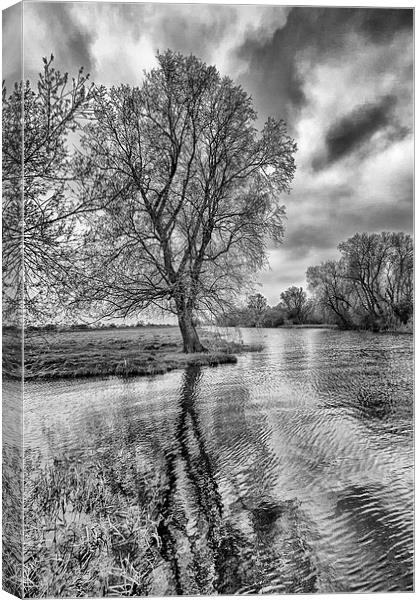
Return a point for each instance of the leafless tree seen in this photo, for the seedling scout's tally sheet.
(372, 284)
(190, 193)
(380, 266)
(257, 305)
(39, 200)
(331, 292)
(295, 301)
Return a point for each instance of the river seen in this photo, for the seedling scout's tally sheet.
(291, 471)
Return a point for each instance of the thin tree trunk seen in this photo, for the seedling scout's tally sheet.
(190, 337)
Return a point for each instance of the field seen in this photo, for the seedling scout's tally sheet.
(124, 352)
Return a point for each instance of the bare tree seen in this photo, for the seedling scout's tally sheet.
(295, 301)
(380, 266)
(331, 291)
(371, 286)
(39, 200)
(190, 193)
(398, 276)
(257, 305)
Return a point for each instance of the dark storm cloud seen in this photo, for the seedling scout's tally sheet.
(354, 129)
(320, 236)
(380, 24)
(304, 238)
(377, 217)
(67, 40)
(341, 78)
(318, 33)
(182, 33)
(388, 218)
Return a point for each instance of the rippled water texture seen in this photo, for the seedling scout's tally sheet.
(291, 471)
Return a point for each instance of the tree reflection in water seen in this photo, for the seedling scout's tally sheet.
(195, 539)
(207, 550)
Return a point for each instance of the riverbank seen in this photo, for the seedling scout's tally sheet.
(126, 352)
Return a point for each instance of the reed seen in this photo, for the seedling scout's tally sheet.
(88, 533)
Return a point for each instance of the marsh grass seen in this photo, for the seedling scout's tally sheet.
(89, 530)
(12, 511)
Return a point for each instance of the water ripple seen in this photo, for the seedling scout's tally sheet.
(290, 472)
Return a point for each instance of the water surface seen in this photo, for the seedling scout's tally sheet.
(291, 471)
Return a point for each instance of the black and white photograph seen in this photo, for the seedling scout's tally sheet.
(207, 299)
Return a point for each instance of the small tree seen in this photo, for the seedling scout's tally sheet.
(295, 301)
(39, 199)
(190, 193)
(273, 317)
(332, 292)
(257, 305)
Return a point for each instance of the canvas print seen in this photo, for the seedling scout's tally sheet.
(207, 299)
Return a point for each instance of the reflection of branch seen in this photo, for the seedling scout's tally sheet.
(200, 474)
(168, 540)
(203, 478)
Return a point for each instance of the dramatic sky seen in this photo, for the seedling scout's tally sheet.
(341, 78)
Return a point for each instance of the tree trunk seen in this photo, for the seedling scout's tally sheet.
(189, 334)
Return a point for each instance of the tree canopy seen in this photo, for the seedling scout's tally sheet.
(40, 200)
(190, 193)
(371, 285)
(295, 301)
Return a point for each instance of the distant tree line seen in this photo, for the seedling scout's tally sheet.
(294, 308)
(369, 287)
(51, 327)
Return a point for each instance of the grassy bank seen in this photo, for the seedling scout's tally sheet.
(125, 352)
(104, 525)
(90, 529)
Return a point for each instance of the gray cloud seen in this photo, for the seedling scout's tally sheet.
(353, 130)
(342, 79)
(64, 37)
(182, 33)
(302, 239)
(380, 24)
(318, 34)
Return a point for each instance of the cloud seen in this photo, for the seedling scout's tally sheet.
(217, 31)
(380, 24)
(356, 128)
(310, 37)
(53, 28)
(341, 77)
(116, 42)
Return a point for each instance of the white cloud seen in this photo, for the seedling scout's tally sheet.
(325, 206)
(125, 38)
(248, 22)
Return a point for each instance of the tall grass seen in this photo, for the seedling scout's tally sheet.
(12, 511)
(87, 533)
